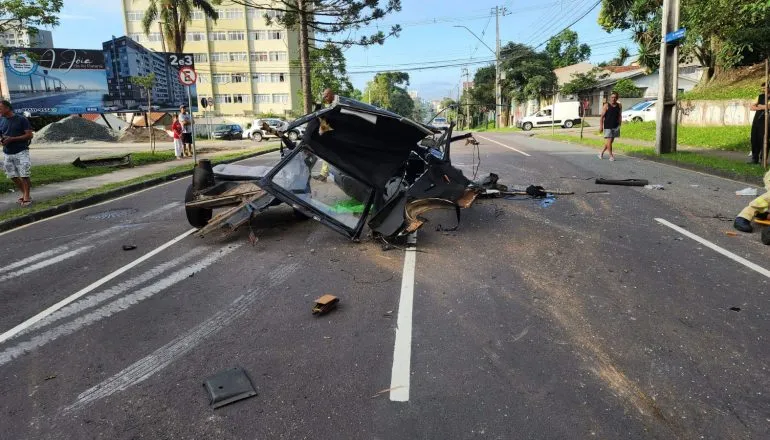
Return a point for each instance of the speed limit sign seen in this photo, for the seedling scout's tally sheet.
(187, 76)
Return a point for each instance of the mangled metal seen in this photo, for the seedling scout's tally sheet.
(356, 165)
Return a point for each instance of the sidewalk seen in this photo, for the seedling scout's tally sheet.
(43, 193)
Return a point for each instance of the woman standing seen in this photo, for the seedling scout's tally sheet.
(176, 128)
(758, 126)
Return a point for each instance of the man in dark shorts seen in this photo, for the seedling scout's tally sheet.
(612, 117)
(187, 134)
(15, 135)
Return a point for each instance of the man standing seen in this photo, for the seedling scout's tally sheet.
(187, 134)
(16, 134)
(612, 117)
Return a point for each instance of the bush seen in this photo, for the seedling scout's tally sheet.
(626, 89)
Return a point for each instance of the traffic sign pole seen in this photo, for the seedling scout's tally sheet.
(192, 123)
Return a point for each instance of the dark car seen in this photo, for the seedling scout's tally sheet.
(229, 132)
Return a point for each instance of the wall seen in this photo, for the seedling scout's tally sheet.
(702, 113)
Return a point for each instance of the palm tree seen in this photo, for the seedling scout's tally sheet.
(623, 55)
(174, 16)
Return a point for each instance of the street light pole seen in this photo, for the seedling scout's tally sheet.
(498, 103)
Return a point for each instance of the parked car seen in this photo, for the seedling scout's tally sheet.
(153, 107)
(440, 123)
(567, 115)
(641, 112)
(265, 128)
(228, 131)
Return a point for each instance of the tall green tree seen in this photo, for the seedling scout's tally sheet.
(328, 70)
(174, 16)
(623, 55)
(565, 49)
(528, 74)
(28, 15)
(582, 84)
(381, 90)
(326, 21)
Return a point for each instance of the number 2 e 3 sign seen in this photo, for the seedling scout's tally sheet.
(179, 60)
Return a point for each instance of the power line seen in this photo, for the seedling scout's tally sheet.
(597, 3)
(554, 21)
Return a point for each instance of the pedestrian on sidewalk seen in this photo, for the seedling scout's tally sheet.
(187, 134)
(612, 114)
(759, 208)
(758, 126)
(176, 128)
(16, 135)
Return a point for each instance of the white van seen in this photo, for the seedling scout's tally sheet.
(567, 115)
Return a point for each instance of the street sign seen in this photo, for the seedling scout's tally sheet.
(204, 102)
(187, 76)
(675, 37)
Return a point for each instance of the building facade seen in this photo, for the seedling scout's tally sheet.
(42, 39)
(244, 64)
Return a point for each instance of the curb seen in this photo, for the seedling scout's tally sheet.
(14, 223)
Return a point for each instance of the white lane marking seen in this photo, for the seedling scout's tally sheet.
(157, 211)
(503, 145)
(94, 300)
(45, 263)
(402, 351)
(120, 304)
(708, 244)
(33, 258)
(165, 355)
(84, 291)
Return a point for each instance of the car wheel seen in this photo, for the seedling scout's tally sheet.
(197, 217)
(256, 137)
(293, 136)
(636, 119)
(568, 124)
(527, 126)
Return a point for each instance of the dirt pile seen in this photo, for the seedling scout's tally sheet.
(141, 134)
(73, 129)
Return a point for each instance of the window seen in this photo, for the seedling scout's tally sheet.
(260, 77)
(238, 56)
(236, 35)
(203, 78)
(201, 58)
(134, 15)
(197, 14)
(230, 14)
(280, 98)
(218, 36)
(223, 99)
(219, 57)
(239, 77)
(221, 78)
(276, 35)
(136, 37)
(258, 56)
(279, 56)
(153, 37)
(277, 77)
(261, 98)
(259, 35)
(241, 99)
(195, 36)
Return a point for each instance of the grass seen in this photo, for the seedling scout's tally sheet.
(695, 160)
(727, 138)
(51, 203)
(492, 129)
(740, 83)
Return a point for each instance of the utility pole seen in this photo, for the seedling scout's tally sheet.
(467, 107)
(665, 140)
(497, 67)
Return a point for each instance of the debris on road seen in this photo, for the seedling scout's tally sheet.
(325, 304)
(747, 192)
(548, 201)
(386, 390)
(111, 162)
(73, 129)
(598, 192)
(735, 309)
(731, 234)
(490, 182)
(228, 387)
(622, 182)
(129, 247)
(656, 186)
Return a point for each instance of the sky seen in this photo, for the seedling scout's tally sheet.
(428, 38)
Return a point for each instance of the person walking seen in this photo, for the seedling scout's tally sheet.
(187, 134)
(176, 129)
(16, 135)
(610, 123)
(758, 126)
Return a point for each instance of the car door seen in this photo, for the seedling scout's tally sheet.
(650, 113)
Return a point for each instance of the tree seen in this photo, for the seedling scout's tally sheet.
(379, 91)
(627, 89)
(328, 70)
(482, 95)
(174, 16)
(623, 55)
(147, 83)
(581, 85)
(528, 75)
(25, 16)
(565, 50)
(326, 18)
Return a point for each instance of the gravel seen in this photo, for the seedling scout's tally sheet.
(73, 129)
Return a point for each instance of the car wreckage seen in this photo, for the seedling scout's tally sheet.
(355, 165)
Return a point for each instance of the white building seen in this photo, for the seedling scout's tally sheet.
(42, 39)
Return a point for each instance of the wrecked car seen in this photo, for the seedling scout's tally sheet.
(356, 164)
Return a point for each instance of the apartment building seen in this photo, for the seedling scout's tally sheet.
(242, 63)
(42, 39)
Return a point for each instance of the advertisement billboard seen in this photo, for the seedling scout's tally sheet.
(74, 81)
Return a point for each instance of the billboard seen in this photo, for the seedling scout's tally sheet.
(74, 81)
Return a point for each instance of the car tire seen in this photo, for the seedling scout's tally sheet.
(526, 126)
(568, 124)
(197, 217)
(293, 136)
(256, 137)
(637, 119)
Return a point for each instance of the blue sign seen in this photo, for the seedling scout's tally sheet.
(675, 37)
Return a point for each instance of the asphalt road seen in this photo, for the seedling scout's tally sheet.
(586, 318)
